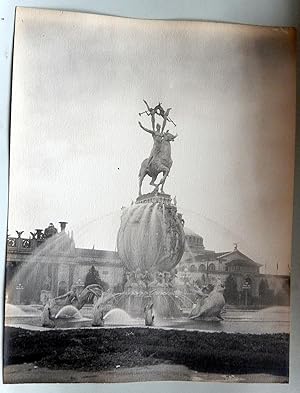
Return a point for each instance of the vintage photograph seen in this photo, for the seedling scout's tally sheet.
(150, 200)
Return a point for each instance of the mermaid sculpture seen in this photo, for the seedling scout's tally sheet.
(53, 306)
(210, 303)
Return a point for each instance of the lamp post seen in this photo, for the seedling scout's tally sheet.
(19, 289)
(207, 271)
(185, 280)
(246, 287)
(79, 285)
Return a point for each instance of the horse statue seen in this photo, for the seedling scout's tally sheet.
(160, 160)
(209, 305)
(53, 306)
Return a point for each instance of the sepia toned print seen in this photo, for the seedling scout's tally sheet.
(151, 190)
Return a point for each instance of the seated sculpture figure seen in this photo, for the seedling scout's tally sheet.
(50, 231)
(98, 314)
(102, 306)
(209, 304)
(46, 317)
(148, 312)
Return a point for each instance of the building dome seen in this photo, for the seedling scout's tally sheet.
(189, 232)
(193, 240)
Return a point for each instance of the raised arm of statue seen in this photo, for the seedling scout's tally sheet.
(148, 107)
(165, 116)
(145, 129)
(151, 112)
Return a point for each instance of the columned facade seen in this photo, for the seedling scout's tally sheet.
(55, 265)
(240, 273)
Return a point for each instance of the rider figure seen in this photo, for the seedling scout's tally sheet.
(157, 110)
(157, 134)
(157, 139)
(160, 160)
(152, 112)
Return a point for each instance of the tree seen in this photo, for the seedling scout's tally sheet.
(263, 290)
(282, 298)
(231, 292)
(120, 286)
(266, 294)
(93, 277)
(286, 286)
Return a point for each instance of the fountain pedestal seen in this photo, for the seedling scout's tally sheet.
(151, 236)
(150, 244)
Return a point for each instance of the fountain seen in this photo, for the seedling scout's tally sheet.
(68, 312)
(118, 316)
(48, 251)
(150, 244)
(150, 240)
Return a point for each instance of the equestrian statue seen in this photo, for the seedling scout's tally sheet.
(160, 160)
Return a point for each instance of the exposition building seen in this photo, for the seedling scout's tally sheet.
(64, 265)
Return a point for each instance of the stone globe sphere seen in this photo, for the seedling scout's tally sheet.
(151, 237)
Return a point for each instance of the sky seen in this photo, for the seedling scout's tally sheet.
(79, 81)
